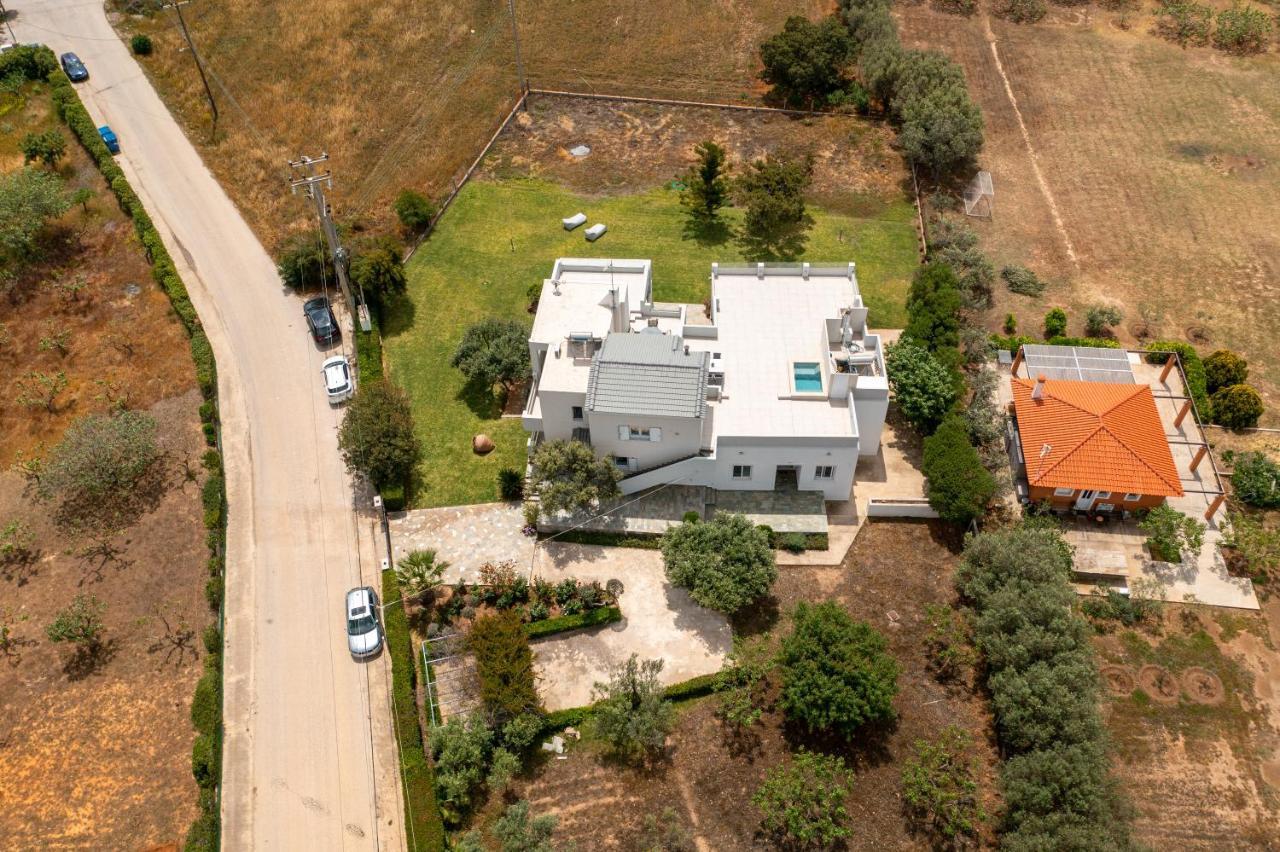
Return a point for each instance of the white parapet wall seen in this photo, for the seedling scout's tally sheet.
(906, 507)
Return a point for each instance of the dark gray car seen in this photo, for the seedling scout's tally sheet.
(321, 321)
(74, 68)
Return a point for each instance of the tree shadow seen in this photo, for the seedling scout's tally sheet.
(705, 231)
(178, 640)
(100, 553)
(783, 245)
(759, 618)
(481, 399)
(88, 659)
(397, 314)
(12, 648)
(20, 566)
(868, 747)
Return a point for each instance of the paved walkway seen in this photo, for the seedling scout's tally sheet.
(464, 536)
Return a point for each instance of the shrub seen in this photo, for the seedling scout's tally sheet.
(1100, 319)
(1110, 605)
(414, 210)
(80, 623)
(954, 244)
(939, 788)
(1256, 480)
(1185, 22)
(1256, 545)
(725, 563)
(803, 802)
(1224, 368)
(957, 7)
(1055, 323)
(303, 261)
(206, 760)
(959, 487)
(836, 673)
(933, 308)
(568, 477)
(48, 147)
(494, 351)
(805, 62)
(1021, 11)
(947, 642)
(1192, 367)
(141, 44)
(518, 831)
(793, 542)
(923, 388)
(519, 734)
(691, 517)
(377, 437)
(1242, 29)
(504, 666)
(743, 682)
(1022, 281)
(461, 751)
(542, 626)
(510, 484)
(1236, 407)
(666, 832)
(632, 714)
(1171, 534)
(1010, 324)
(705, 188)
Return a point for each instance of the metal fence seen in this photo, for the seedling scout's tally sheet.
(449, 678)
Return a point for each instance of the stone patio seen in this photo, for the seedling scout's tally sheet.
(650, 512)
(782, 511)
(464, 536)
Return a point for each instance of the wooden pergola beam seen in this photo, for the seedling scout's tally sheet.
(1214, 506)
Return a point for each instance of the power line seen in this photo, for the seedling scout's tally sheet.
(182, 22)
(313, 186)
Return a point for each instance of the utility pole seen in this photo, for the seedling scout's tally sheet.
(182, 22)
(515, 38)
(313, 186)
(4, 16)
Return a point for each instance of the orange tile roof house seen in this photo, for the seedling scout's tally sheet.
(1093, 446)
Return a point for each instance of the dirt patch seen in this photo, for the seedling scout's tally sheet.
(1119, 680)
(1157, 683)
(892, 567)
(1202, 686)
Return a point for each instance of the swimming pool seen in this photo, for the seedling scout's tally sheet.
(808, 378)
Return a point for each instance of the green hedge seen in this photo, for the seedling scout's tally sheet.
(1192, 366)
(560, 624)
(425, 826)
(206, 706)
(393, 497)
(685, 690)
(608, 539)
(369, 351)
(1014, 342)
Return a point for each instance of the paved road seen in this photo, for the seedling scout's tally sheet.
(309, 761)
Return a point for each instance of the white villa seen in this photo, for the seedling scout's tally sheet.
(781, 387)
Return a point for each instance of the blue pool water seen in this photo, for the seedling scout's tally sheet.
(808, 378)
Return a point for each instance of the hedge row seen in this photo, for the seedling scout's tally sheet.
(1043, 678)
(563, 623)
(608, 539)
(422, 814)
(1192, 366)
(206, 704)
(685, 690)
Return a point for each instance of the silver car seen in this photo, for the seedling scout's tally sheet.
(337, 379)
(364, 635)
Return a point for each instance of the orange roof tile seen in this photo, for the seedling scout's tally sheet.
(1107, 437)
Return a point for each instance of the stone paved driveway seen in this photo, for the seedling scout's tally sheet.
(659, 621)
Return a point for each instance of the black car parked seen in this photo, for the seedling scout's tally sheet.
(321, 321)
(74, 68)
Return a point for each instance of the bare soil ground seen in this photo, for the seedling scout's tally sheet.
(636, 146)
(405, 96)
(1161, 163)
(892, 571)
(1195, 722)
(96, 755)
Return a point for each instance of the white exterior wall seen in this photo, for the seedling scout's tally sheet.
(870, 405)
(681, 437)
(557, 414)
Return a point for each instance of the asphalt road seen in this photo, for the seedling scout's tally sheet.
(309, 761)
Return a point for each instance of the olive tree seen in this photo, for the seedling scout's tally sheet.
(29, 200)
(95, 471)
(569, 477)
(47, 147)
(805, 63)
(631, 714)
(725, 563)
(494, 351)
(80, 623)
(803, 802)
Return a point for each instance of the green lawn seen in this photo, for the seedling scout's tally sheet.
(499, 238)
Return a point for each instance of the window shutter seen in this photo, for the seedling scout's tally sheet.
(624, 433)
(655, 434)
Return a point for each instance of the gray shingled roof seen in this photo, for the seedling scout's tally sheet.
(646, 373)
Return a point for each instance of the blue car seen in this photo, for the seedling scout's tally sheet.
(109, 139)
(74, 68)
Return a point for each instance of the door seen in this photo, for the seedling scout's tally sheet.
(1085, 501)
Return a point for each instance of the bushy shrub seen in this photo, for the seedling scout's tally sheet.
(1255, 547)
(1242, 29)
(959, 487)
(1184, 22)
(793, 542)
(947, 642)
(206, 705)
(1022, 281)
(691, 517)
(1100, 319)
(923, 388)
(141, 44)
(414, 210)
(803, 802)
(933, 308)
(725, 563)
(1224, 368)
(632, 714)
(1010, 324)
(743, 681)
(1021, 11)
(939, 786)
(1236, 407)
(504, 666)
(304, 262)
(954, 243)
(461, 751)
(1255, 480)
(1055, 323)
(836, 672)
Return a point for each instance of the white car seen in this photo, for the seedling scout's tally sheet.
(364, 636)
(337, 379)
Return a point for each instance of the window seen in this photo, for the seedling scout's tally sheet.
(1103, 495)
(742, 471)
(824, 471)
(1106, 507)
(639, 433)
(1132, 498)
(577, 412)
(622, 462)
(1063, 492)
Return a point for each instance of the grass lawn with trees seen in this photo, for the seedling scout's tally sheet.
(501, 237)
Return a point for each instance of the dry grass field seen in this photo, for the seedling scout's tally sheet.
(1163, 165)
(403, 95)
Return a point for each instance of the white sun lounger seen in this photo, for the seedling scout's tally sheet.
(574, 221)
(595, 232)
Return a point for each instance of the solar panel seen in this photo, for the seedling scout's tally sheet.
(1078, 363)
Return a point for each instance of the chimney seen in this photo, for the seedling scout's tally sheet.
(1038, 391)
